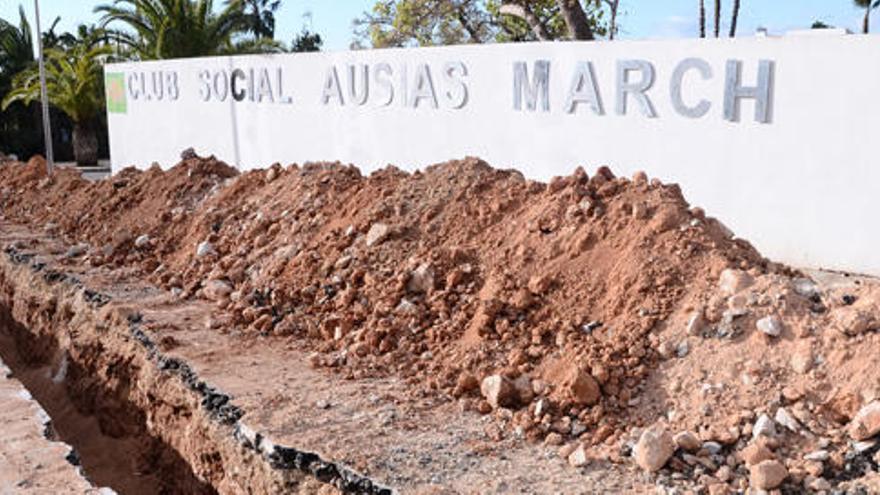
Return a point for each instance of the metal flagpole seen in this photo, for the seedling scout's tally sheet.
(47, 125)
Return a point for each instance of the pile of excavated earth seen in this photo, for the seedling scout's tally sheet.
(600, 316)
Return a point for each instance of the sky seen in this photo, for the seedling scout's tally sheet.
(639, 18)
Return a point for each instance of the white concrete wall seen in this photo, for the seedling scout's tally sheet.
(803, 187)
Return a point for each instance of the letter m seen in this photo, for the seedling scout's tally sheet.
(531, 91)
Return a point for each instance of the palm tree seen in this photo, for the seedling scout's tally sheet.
(868, 5)
(160, 29)
(260, 16)
(16, 46)
(717, 18)
(702, 18)
(20, 131)
(74, 82)
(734, 17)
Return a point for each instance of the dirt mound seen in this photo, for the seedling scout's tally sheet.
(574, 311)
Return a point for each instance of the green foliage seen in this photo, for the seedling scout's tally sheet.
(400, 23)
(16, 49)
(260, 16)
(160, 29)
(513, 29)
(306, 41)
(74, 80)
(864, 3)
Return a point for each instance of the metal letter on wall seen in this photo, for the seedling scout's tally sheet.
(538, 88)
(705, 70)
(734, 91)
(637, 89)
(584, 90)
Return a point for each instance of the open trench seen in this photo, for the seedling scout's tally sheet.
(139, 421)
(109, 435)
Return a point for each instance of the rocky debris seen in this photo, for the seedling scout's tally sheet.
(188, 154)
(654, 448)
(539, 284)
(696, 323)
(581, 388)
(205, 249)
(784, 418)
(578, 457)
(687, 441)
(764, 426)
(770, 325)
(805, 287)
(217, 290)
(77, 250)
(755, 453)
(866, 422)
(802, 358)
(817, 484)
(524, 287)
(421, 280)
(852, 321)
(377, 234)
(499, 391)
(142, 241)
(272, 173)
(818, 455)
(733, 281)
(767, 475)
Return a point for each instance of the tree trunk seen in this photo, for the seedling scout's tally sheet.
(717, 18)
(702, 18)
(85, 143)
(525, 13)
(866, 23)
(734, 17)
(576, 20)
(614, 6)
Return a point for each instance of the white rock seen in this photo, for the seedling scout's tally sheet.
(764, 426)
(864, 445)
(578, 458)
(696, 323)
(654, 448)
(271, 174)
(205, 248)
(421, 280)
(142, 241)
(818, 455)
(378, 232)
(770, 325)
(733, 281)
(805, 287)
(784, 418)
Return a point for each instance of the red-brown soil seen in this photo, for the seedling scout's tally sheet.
(577, 293)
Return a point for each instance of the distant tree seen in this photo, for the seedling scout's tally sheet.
(74, 83)
(821, 25)
(734, 18)
(702, 18)
(160, 29)
(20, 131)
(260, 16)
(868, 5)
(717, 18)
(307, 41)
(445, 22)
(613, 6)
